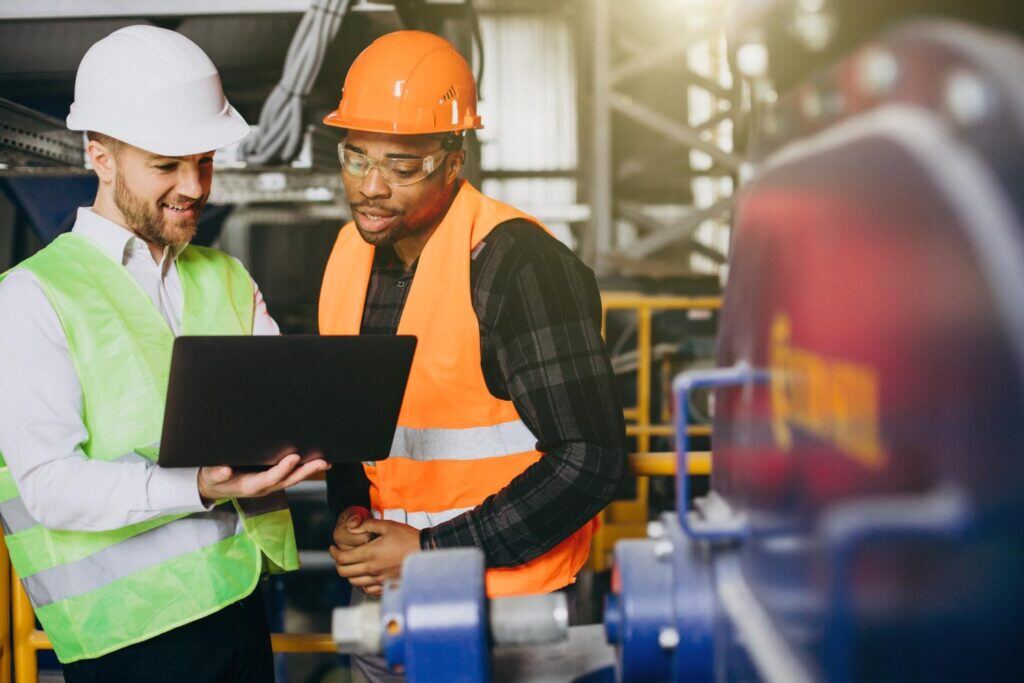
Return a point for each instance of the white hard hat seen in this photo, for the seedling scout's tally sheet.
(154, 89)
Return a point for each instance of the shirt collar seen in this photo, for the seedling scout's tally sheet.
(385, 258)
(116, 241)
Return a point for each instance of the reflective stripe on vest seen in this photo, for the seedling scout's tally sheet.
(473, 443)
(96, 592)
(420, 520)
(456, 444)
(132, 555)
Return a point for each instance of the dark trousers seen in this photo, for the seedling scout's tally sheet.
(229, 646)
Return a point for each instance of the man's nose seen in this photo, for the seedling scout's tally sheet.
(374, 186)
(190, 182)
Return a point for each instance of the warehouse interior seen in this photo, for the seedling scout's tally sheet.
(806, 221)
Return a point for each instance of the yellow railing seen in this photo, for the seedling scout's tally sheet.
(664, 464)
(28, 640)
(628, 518)
(5, 613)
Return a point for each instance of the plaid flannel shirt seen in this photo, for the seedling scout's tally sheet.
(540, 329)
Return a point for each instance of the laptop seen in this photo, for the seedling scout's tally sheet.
(249, 401)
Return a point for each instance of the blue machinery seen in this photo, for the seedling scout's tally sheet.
(866, 514)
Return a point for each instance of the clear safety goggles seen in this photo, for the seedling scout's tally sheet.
(396, 172)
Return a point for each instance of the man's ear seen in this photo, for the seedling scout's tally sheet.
(103, 160)
(454, 165)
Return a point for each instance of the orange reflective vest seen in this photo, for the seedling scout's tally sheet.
(456, 444)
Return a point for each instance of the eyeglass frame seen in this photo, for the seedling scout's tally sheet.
(432, 160)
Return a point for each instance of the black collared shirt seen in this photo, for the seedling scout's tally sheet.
(540, 333)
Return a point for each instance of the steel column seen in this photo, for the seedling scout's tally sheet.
(602, 222)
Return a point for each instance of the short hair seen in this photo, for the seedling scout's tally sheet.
(111, 143)
(451, 141)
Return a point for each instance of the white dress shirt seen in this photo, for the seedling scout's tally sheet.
(41, 428)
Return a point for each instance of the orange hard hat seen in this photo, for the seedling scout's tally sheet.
(409, 83)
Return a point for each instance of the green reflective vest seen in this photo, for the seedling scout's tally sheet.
(96, 592)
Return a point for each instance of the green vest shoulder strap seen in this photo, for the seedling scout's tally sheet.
(203, 270)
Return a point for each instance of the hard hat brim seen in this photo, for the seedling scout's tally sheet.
(212, 134)
(338, 120)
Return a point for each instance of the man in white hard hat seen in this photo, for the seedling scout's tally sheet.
(135, 572)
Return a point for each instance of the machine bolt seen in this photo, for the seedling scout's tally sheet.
(655, 529)
(878, 72)
(968, 100)
(663, 550)
(668, 638)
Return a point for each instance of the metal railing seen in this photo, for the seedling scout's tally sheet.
(5, 612)
(628, 518)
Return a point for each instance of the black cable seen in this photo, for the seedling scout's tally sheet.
(474, 27)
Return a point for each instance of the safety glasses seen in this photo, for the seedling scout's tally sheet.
(396, 172)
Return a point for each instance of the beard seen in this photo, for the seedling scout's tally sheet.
(387, 238)
(407, 222)
(148, 221)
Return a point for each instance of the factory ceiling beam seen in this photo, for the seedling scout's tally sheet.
(714, 120)
(646, 58)
(720, 91)
(29, 139)
(94, 9)
(639, 51)
(682, 134)
(663, 233)
(628, 61)
(633, 167)
(643, 58)
(599, 241)
(277, 187)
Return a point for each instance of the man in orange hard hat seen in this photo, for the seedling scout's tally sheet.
(511, 438)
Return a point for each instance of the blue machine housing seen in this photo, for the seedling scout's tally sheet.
(435, 627)
(663, 619)
(864, 520)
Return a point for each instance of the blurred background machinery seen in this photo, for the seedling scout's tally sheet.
(865, 506)
(849, 173)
